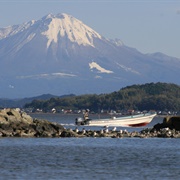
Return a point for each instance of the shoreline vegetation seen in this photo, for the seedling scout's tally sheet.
(15, 123)
(160, 97)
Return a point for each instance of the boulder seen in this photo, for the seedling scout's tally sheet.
(14, 116)
(171, 122)
(15, 123)
(70, 133)
(175, 122)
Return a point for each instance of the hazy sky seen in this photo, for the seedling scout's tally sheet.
(147, 25)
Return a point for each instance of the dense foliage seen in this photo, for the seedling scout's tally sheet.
(151, 96)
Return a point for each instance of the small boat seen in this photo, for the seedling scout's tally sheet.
(125, 121)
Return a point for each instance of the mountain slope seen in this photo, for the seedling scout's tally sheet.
(19, 103)
(58, 54)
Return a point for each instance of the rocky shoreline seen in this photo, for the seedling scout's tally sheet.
(15, 123)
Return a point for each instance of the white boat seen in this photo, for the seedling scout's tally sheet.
(126, 121)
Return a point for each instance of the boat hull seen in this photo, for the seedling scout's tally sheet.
(128, 121)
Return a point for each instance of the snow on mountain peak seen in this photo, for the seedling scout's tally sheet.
(76, 31)
(12, 30)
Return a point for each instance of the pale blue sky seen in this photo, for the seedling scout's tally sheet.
(147, 25)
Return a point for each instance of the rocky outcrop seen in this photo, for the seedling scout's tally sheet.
(15, 123)
(171, 122)
(8, 116)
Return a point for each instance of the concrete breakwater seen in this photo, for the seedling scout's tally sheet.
(14, 123)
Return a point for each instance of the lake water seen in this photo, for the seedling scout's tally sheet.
(89, 158)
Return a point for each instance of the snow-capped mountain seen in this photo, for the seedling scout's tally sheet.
(59, 54)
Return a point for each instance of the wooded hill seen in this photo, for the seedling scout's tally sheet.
(151, 96)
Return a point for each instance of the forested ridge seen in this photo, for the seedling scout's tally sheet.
(150, 96)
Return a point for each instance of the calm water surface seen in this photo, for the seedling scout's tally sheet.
(68, 121)
(89, 158)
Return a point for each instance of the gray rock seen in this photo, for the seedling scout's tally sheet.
(14, 123)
